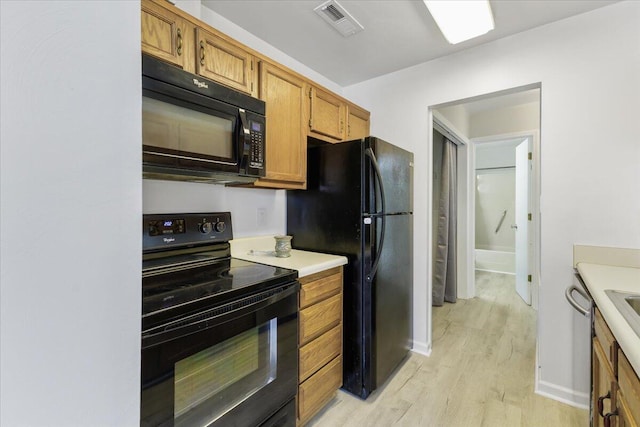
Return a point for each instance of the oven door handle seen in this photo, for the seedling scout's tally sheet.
(215, 317)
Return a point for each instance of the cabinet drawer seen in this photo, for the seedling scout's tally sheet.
(318, 352)
(629, 385)
(319, 286)
(319, 318)
(315, 392)
(605, 337)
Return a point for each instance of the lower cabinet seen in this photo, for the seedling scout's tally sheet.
(603, 383)
(320, 341)
(616, 387)
(628, 396)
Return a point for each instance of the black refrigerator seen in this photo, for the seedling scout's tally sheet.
(358, 203)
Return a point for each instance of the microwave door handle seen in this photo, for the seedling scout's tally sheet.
(245, 138)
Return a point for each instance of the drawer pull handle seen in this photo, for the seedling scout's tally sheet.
(601, 403)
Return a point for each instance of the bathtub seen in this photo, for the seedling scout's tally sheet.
(496, 261)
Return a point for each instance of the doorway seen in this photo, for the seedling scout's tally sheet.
(512, 115)
(502, 210)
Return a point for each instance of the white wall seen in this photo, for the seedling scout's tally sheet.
(505, 120)
(71, 202)
(243, 203)
(495, 194)
(457, 116)
(496, 155)
(588, 67)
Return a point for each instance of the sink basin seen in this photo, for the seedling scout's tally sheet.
(634, 302)
(628, 304)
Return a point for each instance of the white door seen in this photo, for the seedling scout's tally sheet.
(523, 287)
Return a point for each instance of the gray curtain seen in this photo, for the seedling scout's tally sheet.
(444, 276)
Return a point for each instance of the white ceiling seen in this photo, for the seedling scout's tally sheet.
(397, 33)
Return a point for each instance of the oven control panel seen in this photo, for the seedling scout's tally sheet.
(176, 230)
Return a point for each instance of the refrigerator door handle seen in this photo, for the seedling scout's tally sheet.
(369, 153)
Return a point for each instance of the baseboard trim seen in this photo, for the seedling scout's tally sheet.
(571, 397)
(421, 348)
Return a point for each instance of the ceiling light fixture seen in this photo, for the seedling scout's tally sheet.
(461, 20)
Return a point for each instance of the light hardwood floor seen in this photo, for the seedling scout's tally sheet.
(480, 372)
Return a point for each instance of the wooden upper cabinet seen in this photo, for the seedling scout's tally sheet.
(357, 122)
(286, 156)
(167, 36)
(295, 106)
(225, 62)
(327, 115)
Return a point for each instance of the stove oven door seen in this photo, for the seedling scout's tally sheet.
(233, 365)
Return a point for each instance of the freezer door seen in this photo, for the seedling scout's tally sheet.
(391, 297)
(326, 216)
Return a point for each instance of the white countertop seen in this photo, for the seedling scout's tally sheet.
(598, 278)
(305, 262)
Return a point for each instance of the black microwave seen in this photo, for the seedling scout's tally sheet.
(194, 129)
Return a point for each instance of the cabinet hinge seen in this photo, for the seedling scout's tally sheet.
(252, 65)
(310, 125)
(529, 217)
(529, 278)
(310, 91)
(530, 156)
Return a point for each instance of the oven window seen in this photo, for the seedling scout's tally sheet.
(222, 376)
(172, 127)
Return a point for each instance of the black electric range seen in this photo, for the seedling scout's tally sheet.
(187, 265)
(215, 330)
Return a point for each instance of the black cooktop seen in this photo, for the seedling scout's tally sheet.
(178, 291)
(187, 266)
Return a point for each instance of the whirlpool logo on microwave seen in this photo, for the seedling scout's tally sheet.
(200, 84)
(169, 239)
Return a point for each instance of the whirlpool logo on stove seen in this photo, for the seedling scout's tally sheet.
(200, 84)
(168, 239)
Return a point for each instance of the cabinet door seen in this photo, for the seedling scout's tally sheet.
(626, 417)
(628, 402)
(603, 378)
(357, 123)
(166, 35)
(224, 62)
(286, 156)
(326, 116)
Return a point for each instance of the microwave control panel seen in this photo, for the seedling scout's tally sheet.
(256, 133)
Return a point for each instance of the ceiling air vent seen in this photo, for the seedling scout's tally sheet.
(336, 15)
